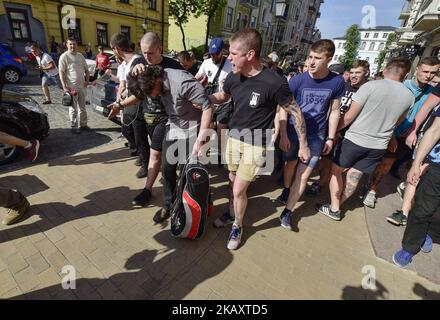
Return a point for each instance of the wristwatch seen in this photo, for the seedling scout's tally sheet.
(331, 139)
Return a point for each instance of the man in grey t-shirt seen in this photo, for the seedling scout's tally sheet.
(376, 109)
(180, 93)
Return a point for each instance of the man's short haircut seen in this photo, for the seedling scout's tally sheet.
(250, 39)
(151, 37)
(72, 39)
(143, 84)
(121, 41)
(361, 63)
(399, 66)
(429, 61)
(324, 45)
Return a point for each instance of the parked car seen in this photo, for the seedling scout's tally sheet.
(104, 92)
(20, 116)
(12, 68)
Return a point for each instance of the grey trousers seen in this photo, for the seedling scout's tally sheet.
(10, 198)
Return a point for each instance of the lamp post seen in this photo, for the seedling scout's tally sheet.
(280, 7)
(145, 25)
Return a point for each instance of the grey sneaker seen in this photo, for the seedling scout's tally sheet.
(325, 209)
(235, 237)
(370, 199)
(224, 220)
(398, 218)
(401, 189)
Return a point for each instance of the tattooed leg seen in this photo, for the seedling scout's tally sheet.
(353, 178)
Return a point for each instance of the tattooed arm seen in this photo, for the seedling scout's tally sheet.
(299, 124)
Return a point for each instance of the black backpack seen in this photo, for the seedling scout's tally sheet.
(190, 209)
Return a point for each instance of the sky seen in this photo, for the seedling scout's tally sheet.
(338, 15)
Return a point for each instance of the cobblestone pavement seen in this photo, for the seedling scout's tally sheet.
(81, 216)
(61, 141)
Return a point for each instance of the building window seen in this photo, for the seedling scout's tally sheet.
(229, 15)
(372, 45)
(363, 45)
(340, 45)
(336, 58)
(368, 59)
(376, 60)
(376, 35)
(101, 30)
(19, 25)
(75, 32)
(237, 23)
(152, 5)
(253, 22)
(381, 46)
(126, 30)
(385, 36)
(367, 35)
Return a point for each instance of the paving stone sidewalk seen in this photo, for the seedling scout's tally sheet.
(81, 216)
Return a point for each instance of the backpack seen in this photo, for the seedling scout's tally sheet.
(190, 209)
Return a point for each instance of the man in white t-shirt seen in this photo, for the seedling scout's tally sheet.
(74, 76)
(49, 71)
(207, 76)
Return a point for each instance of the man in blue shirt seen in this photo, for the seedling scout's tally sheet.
(318, 92)
(420, 224)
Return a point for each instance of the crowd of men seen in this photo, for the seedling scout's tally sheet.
(339, 123)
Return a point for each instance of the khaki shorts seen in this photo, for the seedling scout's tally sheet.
(243, 159)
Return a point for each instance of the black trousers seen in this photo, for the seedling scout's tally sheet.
(174, 155)
(420, 219)
(141, 140)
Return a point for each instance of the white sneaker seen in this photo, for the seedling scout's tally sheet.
(234, 237)
(370, 199)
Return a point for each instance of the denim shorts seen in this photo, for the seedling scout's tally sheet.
(315, 143)
(51, 81)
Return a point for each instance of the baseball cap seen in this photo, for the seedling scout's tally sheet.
(216, 45)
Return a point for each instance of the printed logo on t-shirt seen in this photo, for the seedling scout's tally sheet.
(255, 97)
(209, 73)
(346, 101)
(313, 99)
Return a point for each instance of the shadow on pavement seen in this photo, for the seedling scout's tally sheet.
(27, 184)
(57, 213)
(424, 293)
(169, 273)
(359, 293)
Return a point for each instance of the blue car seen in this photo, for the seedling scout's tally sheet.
(12, 68)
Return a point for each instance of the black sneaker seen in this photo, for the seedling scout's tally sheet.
(133, 153)
(286, 219)
(142, 198)
(325, 209)
(47, 102)
(162, 215)
(142, 173)
(314, 189)
(284, 196)
(138, 162)
(85, 128)
(398, 218)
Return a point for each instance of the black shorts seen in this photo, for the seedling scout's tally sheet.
(402, 150)
(350, 155)
(223, 113)
(157, 134)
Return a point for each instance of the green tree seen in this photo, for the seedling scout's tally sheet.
(391, 38)
(181, 10)
(209, 8)
(353, 39)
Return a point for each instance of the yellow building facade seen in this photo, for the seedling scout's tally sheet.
(96, 21)
(195, 33)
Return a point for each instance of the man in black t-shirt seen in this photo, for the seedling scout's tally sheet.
(256, 93)
(359, 73)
